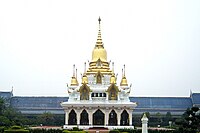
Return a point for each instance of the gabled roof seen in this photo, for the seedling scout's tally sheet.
(113, 86)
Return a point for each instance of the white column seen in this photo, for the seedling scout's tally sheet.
(130, 117)
(118, 118)
(144, 124)
(106, 117)
(66, 117)
(90, 96)
(90, 112)
(78, 117)
(106, 95)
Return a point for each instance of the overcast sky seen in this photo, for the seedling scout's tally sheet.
(158, 40)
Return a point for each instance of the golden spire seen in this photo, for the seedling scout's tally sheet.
(99, 61)
(74, 70)
(113, 67)
(74, 81)
(76, 73)
(113, 78)
(84, 78)
(124, 80)
(99, 52)
(124, 70)
(99, 42)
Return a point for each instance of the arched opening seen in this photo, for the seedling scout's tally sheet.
(124, 118)
(98, 118)
(112, 118)
(84, 118)
(72, 118)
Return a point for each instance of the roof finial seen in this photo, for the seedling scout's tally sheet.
(124, 70)
(99, 20)
(76, 73)
(99, 40)
(84, 67)
(113, 67)
(74, 70)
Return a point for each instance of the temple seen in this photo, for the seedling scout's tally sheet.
(98, 101)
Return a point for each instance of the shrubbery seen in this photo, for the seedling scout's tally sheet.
(139, 131)
(66, 131)
(45, 131)
(2, 129)
(16, 129)
(114, 131)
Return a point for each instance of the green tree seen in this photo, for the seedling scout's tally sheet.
(4, 121)
(159, 118)
(190, 121)
(167, 118)
(2, 105)
(46, 118)
(147, 114)
(9, 116)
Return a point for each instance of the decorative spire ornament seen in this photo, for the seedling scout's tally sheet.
(74, 70)
(124, 70)
(113, 67)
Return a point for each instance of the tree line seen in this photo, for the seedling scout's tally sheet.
(10, 116)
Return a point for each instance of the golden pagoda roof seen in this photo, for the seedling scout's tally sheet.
(99, 57)
(84, 77)
(124, 81)
(74, 81)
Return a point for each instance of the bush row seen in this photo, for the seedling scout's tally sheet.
(152, 131)
(17, 129)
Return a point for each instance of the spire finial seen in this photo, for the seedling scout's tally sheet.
(113, 67)
(124, 70)
(99, 20)
(74, 70)
(76, 73)
(99, 40)
(84, 67)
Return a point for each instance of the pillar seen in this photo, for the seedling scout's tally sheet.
(144, 124)
(90, 112)
(66, 117)
(130, 117)
(106, 117)
(118, 118)
(78, 117)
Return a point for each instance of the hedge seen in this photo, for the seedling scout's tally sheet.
(139, 131)
(114, 131)
(45, 131)
(16, 131)
(2, 129)
(66, 131)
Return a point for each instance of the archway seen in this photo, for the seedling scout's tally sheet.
(124, 118)
(84, 118)
(72, 118)
(98, 118)
(112, 118)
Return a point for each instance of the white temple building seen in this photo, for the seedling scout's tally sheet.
(98, 101)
